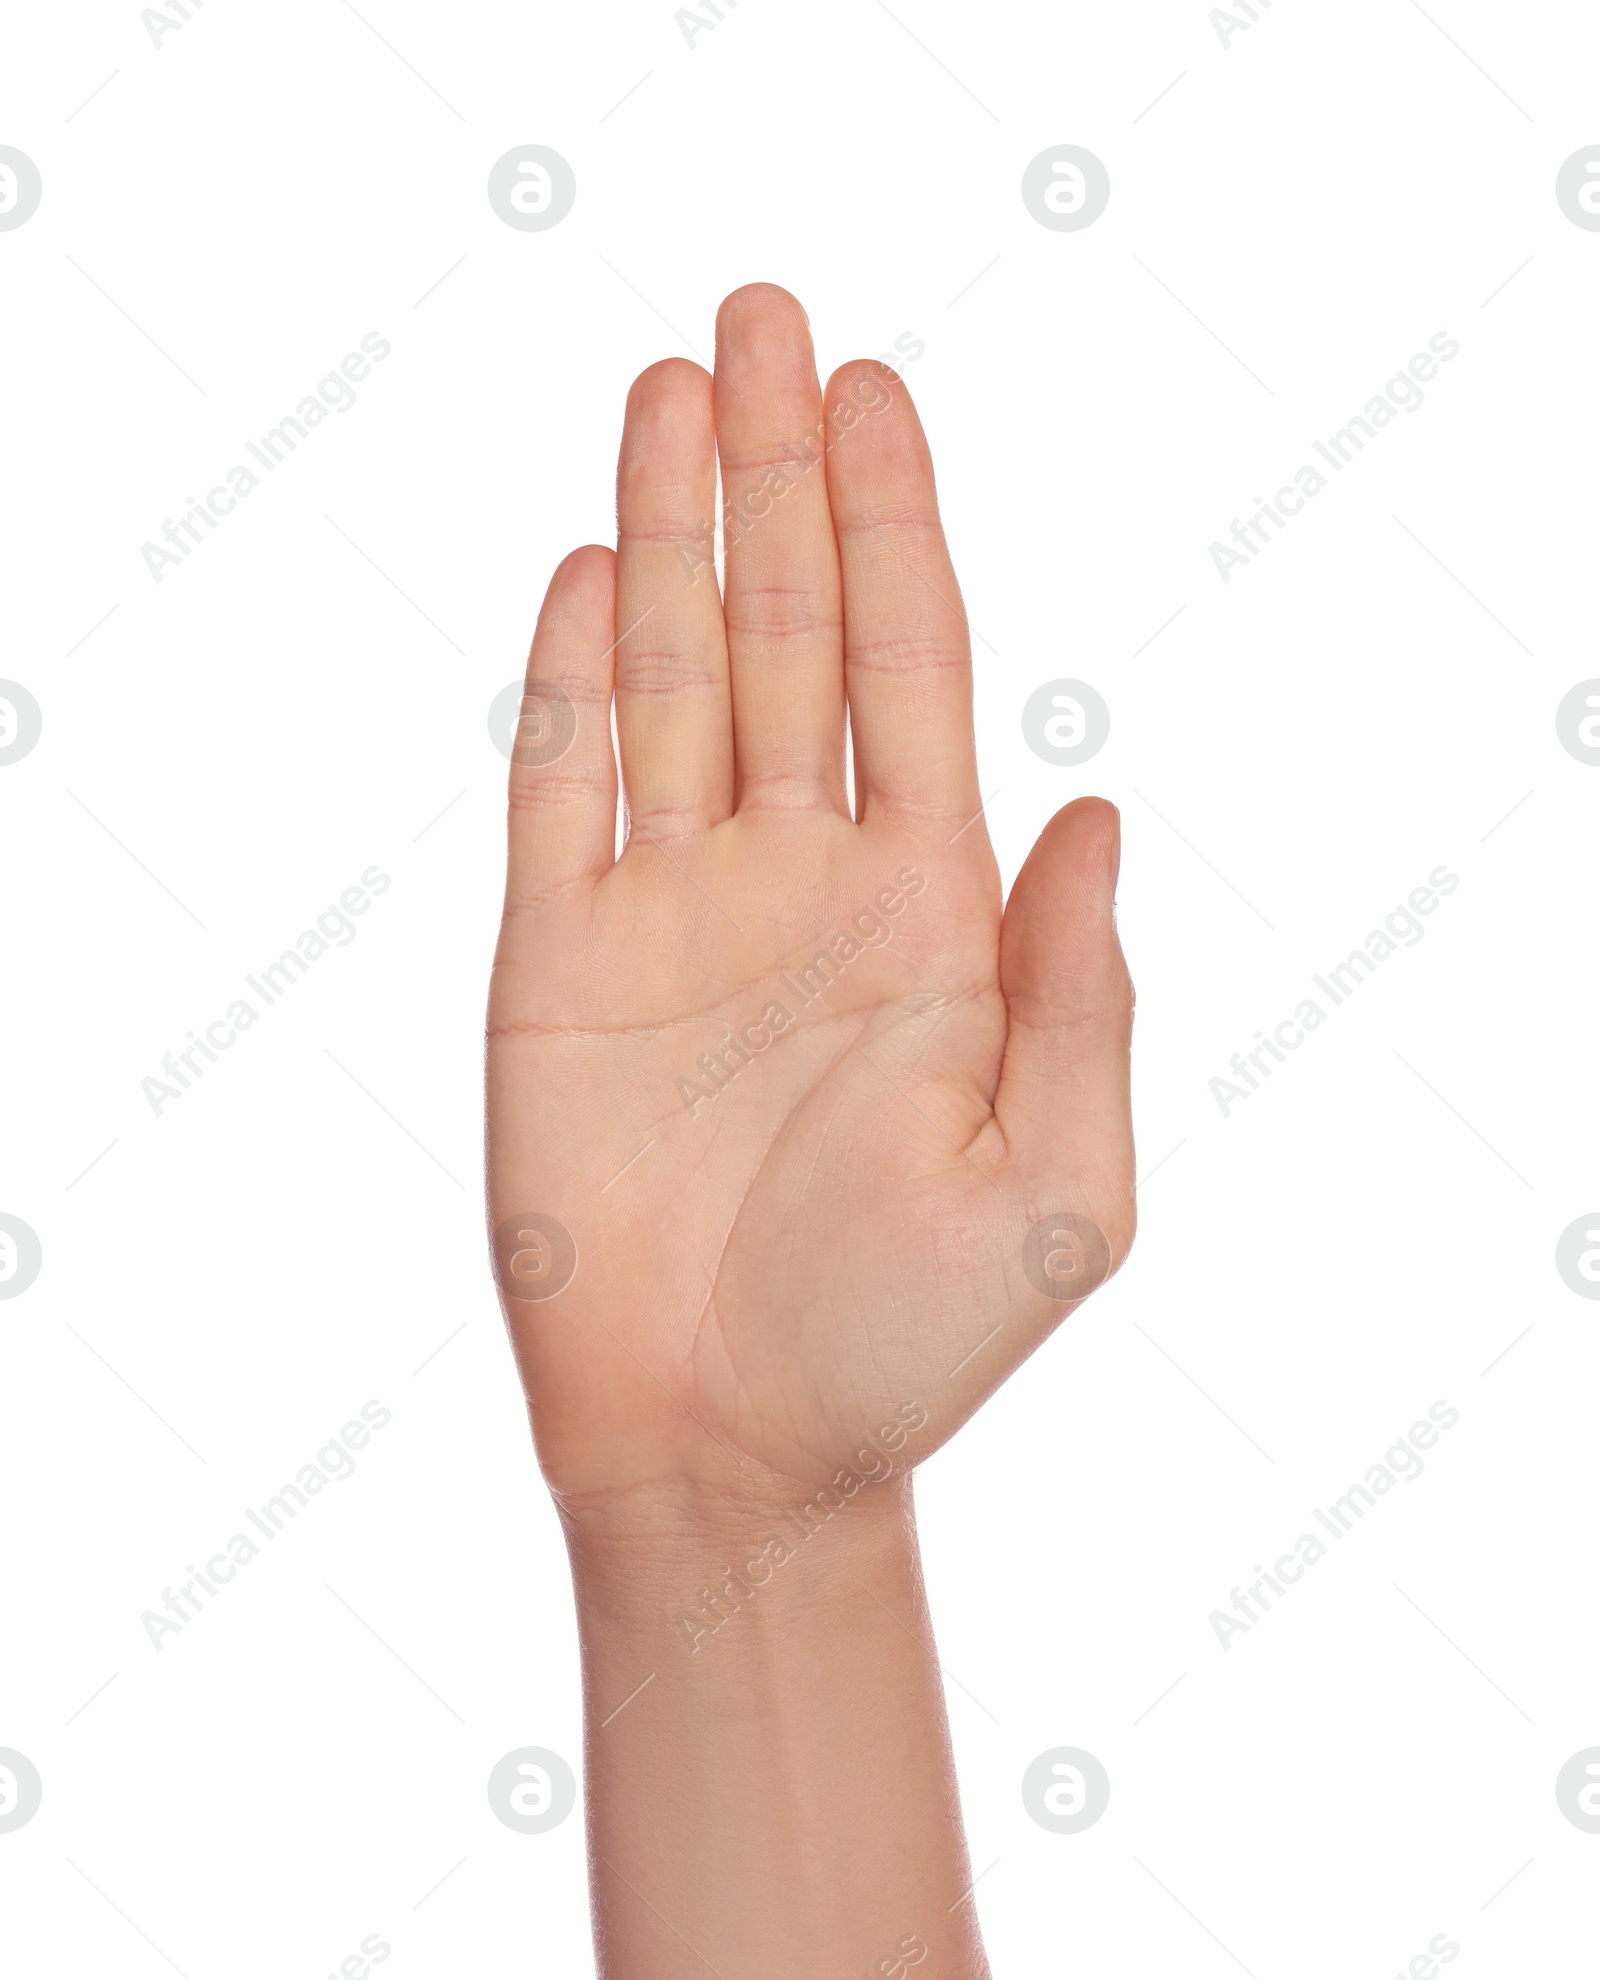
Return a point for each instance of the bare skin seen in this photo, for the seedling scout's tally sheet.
(806, 1197)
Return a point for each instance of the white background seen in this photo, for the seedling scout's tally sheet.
(225, 752)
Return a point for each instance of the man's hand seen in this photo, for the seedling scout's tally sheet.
(798, 1091)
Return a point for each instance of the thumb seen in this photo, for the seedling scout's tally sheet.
(1063, 1102)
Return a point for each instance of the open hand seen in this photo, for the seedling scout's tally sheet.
(836, 1143)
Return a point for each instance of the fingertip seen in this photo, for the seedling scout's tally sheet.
(588, 563)
(582, 585)
(874, 426)
(764, 350)
(1061, 916)
(1091, 831)
(667, 400)
(759, 305)
(869, 383)
(668, 434)
(669, 378)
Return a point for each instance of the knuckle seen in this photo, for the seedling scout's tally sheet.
(779, 612)
(666, 671)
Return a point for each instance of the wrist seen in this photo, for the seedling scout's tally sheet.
(735, 1495)
(690, 1562)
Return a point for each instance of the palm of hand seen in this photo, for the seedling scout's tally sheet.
(796, 1093)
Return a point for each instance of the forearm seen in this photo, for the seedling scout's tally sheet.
(778, 1799)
